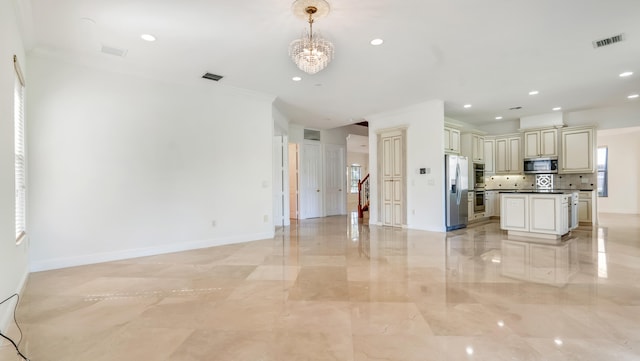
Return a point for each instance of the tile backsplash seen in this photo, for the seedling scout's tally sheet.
(528, 181)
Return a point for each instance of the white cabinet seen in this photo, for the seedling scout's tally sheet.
(578, 150)
(451, 140)
(508, 155)
(477, 148)
(489, 203)
(535, 215)
(470, 205)
(544, 263)
(489, 155)
(549, 213)
(541, 143)
(514, 212)
(584, 207)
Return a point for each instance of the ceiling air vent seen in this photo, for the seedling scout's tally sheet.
(608, 41)
(310, 134)
(214, 77)
(515, 108)
(113, 51)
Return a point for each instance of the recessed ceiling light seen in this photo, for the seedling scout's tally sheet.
(534, 92)
(632, 96)
(467, 106)
(498, 117)
(557, 108)
(296, 78)
(377, 41)
(148, 37)
(626, 73)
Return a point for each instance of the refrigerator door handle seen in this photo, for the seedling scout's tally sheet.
(458, 191)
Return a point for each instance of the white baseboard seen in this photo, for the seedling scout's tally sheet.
(65, 262)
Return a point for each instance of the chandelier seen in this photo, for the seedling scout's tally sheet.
(311, 52)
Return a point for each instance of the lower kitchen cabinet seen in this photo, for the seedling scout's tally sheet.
(535, 215)
(584, 207)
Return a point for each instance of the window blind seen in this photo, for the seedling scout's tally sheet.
(20, 157)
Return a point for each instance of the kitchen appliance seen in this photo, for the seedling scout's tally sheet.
(541, 165)
(478, 171)
(478, 204)
(456, 191)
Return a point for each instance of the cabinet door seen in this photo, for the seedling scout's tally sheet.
(447, 139)
(470, 206)
(477, 148)
(455, 141)
(532, 144)
(577, 151)
(515, 156)
(488, 204)
(544, 214)
(502, 157)
(548, 142)
(514, 212)
(489, 156)
(584, 210)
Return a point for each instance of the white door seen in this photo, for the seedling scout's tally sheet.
(311, 180)
(278, 181)
(294, 212)
(334, 175)
(392, 179)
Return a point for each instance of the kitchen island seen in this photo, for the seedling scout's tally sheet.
(544, 215)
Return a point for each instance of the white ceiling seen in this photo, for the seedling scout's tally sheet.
(487, 53)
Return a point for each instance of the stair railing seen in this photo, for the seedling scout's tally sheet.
(363, 196)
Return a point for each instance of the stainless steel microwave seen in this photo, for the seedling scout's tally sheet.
(541, 165)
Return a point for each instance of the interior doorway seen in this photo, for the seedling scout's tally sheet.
(294, 164)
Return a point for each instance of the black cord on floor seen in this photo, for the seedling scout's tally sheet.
(17, 296)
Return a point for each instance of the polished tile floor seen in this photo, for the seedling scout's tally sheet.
(333, 289)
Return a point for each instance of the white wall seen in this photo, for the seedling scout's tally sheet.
(425, 149)
(124, 166)
(624, 170)
(13, 258)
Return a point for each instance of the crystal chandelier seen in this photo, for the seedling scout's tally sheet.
(311, 53)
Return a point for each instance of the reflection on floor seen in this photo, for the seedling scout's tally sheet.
(334, 289)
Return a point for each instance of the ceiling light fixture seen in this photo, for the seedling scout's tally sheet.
(311, 52)
(556, 109)
(498, 117)
(632, 96)
(626, 74)
(377, 42)
(148, 37)
(534, 92)
(467, 106)
(296, 78)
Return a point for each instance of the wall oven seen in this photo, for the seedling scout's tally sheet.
(478, 202)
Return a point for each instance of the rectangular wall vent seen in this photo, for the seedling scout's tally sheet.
(113, 51)
(214, 77)
(310, 134)
(608, 41)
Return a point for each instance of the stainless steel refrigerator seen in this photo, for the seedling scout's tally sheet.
(456, 170)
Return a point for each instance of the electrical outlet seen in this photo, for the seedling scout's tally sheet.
(266, 218)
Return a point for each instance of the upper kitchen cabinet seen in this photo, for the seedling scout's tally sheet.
(472, 146)
(578, 150)
(451, 140)
(489, 155)
(541, 143)
(508, 155)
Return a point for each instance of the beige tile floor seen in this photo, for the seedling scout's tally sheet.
(333, 289)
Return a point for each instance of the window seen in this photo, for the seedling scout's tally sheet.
(355, 174)
(603, 172)
(19, 151)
